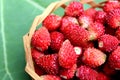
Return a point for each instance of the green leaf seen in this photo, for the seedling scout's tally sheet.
(16, 17)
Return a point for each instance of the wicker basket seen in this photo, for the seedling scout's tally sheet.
(29, 68)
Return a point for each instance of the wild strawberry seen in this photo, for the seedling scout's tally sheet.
(36, 54)
(68, 73)
(77, 35)
(39, 70)
(113, 18)
(41, 39)
(49, 77)
(57, 39)
(93, 57)
(67, 20)
(85, 21)
(114, 59)
(86, 73)
(49, 63)
(111, 5)
(117, 33)
(67, 56)
(90, 12)
(74, 9)
(96, 30)
(78, 50)
(100, 16)
(108, 42)
(102, 76)
(52, 22)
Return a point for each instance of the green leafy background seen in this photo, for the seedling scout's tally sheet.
(16, 17)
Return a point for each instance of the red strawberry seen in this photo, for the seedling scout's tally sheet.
(67, 20)
(113, 18)
(96, 30)
(78, 50)
(74, 9)
(49, 63)
(114, 59)
(41, 39)
(90, 12)
(52, 22)
(85, 21)
(117, 33)
(36, 54)
(100, 16)
(68, 73)
(77, 35)
(67, 56)
(111, 5)
(57, 39)
(93, 57)
(102, 76)
(38, 70)
(108, 42)
(49, 77)
(86, 73)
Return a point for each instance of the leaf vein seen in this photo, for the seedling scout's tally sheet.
(4, 42)
(36, 5)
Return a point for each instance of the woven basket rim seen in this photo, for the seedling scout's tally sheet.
(29, 68)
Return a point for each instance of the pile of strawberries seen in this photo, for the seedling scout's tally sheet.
(81, 45)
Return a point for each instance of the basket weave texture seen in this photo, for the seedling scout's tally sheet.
(29, 68)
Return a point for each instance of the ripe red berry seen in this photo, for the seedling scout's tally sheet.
(68, 73)
(114, 59)
(49, 63)
(36, 54)
(77, 35)
(108, 42)
(52, 22)
(100, 16)
(67, 56)
(41, 39)
(93, 57)
(38, 70)
(85, 21)
(111, 5)
(86, 73)
(74, 9)
(96, 30)
(90, 12)
(113, 18)
(67, 20)
(57, 39)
